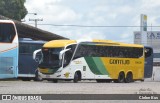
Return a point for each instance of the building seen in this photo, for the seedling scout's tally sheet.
(150, 38)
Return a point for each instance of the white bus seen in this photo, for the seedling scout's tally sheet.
(8, 49)
(101, 60)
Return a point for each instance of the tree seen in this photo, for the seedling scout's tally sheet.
(13, 9)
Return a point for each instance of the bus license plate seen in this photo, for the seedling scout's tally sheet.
(47, 76)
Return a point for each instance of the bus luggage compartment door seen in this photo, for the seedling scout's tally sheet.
(6, 67)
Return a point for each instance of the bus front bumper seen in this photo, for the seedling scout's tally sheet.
(56, 76)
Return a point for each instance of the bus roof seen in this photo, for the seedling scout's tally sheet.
(63, 43)
(110, 42)
(6, 21)
(30, 41)
(58, 43)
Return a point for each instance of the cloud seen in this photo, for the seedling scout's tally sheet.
(97, 12)
(52, 11)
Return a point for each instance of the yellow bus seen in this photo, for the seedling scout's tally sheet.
(100, 60)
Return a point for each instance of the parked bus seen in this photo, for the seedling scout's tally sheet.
(101, 60)
(8, 49)
(27, 66)
(148, 62)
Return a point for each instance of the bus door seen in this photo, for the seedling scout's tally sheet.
(148, 62)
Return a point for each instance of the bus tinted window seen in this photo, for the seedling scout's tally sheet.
(7, 32)
(29, 48)
(108, 51)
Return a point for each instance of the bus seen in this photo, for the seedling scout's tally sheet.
(148, 62)
(100, 60)
(27, 66)
(8, 50)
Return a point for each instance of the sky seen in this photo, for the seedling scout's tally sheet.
(113, 13)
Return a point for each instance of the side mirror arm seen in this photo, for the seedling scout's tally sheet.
(35, 53)
(62, 52)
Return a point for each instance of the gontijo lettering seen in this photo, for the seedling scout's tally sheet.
(117, 61)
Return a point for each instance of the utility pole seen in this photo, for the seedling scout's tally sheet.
(36, 20)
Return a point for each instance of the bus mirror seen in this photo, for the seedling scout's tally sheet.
(35, 55)
(62, 52)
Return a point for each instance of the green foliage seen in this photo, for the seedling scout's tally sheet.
(13, 9)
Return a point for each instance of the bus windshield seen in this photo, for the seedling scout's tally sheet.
(7, 32)
(50, 58)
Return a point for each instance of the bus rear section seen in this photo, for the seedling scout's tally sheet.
(148, 62)
(28, 66)
(8, 50)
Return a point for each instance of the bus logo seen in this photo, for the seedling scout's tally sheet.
(116, 61)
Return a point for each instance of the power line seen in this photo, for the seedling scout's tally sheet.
(93, 26)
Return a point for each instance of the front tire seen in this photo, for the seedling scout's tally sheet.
(75, 80)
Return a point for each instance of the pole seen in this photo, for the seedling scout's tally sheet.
(36, 20)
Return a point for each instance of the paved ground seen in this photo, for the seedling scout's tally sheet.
(83, 87)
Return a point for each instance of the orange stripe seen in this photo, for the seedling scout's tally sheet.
(9, 49)
(5, 43)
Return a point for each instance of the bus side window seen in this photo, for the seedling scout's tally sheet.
(69, 54)
(23, 48)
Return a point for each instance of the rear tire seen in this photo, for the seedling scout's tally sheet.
(121, 78)
(129, 77)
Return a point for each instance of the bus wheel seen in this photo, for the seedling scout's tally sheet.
(75, 80)
(129, 77)
(121, 78)
(77, 77)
